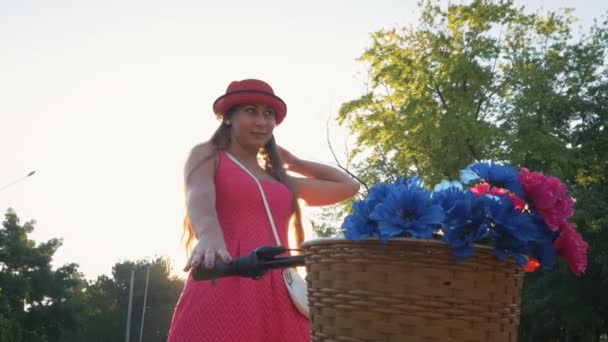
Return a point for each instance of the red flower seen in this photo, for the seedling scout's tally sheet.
(571, 246)
(532, 265)
(484, 188)
(481, 188)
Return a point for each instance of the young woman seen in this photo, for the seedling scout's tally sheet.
(226, 219)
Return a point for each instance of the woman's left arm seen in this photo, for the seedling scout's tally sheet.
(321, 184)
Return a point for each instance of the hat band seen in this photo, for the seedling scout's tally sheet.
(248, 91)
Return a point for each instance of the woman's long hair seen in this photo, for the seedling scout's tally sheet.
(271, 163)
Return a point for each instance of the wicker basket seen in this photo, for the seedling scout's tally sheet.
(409, 290)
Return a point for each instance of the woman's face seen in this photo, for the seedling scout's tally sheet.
(252, 125)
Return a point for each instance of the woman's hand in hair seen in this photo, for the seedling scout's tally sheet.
(209, 246)
(321, 184)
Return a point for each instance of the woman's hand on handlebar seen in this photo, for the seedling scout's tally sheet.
(209, 246)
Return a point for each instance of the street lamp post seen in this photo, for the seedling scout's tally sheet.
(128, 332)
(143, 310)
(17, 180)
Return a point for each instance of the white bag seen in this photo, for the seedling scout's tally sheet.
(298, 290)
(296, 285)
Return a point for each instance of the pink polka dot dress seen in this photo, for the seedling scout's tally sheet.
(242, 309)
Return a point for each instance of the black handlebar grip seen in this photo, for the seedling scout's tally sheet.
(246, 266)
(252, 265)
(219, 270)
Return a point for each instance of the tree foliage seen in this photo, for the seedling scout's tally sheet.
(40, 304)
(36, 302)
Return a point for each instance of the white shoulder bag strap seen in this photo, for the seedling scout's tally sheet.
(268, 212)
(296, 286)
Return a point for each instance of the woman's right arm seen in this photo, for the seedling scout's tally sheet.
(199, 174)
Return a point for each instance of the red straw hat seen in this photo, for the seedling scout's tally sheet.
(250, 91)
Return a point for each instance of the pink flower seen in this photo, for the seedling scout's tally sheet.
(485, 188)
(571, 246)
(549, 196)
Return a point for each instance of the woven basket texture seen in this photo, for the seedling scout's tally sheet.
(409, 290)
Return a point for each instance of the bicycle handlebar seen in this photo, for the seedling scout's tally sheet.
(253, 265)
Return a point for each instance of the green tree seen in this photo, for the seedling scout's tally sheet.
(103, 319)
(107, 301)
(163, 292)
(486, 80)
(36, 302)
(12, 331)
(39, 304)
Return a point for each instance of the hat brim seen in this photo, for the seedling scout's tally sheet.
(227, 101)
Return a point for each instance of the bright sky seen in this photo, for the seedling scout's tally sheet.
(104, 98)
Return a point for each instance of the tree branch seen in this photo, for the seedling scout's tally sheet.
(441, 98)
(483, 97)
(333, 153)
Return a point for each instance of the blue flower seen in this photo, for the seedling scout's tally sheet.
(444, 185)
(497, 175)
(377, 194)
(407, 209)
(474, 218)
(510, 247)
(507, 220)
(447, 193)
(514, 232)
(359, 225)
(414, 182)
(466, 222)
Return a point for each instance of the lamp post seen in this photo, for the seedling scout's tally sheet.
(18, 180)
(143, 310)
(128, 332)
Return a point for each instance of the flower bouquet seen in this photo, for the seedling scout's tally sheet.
(441, 265)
